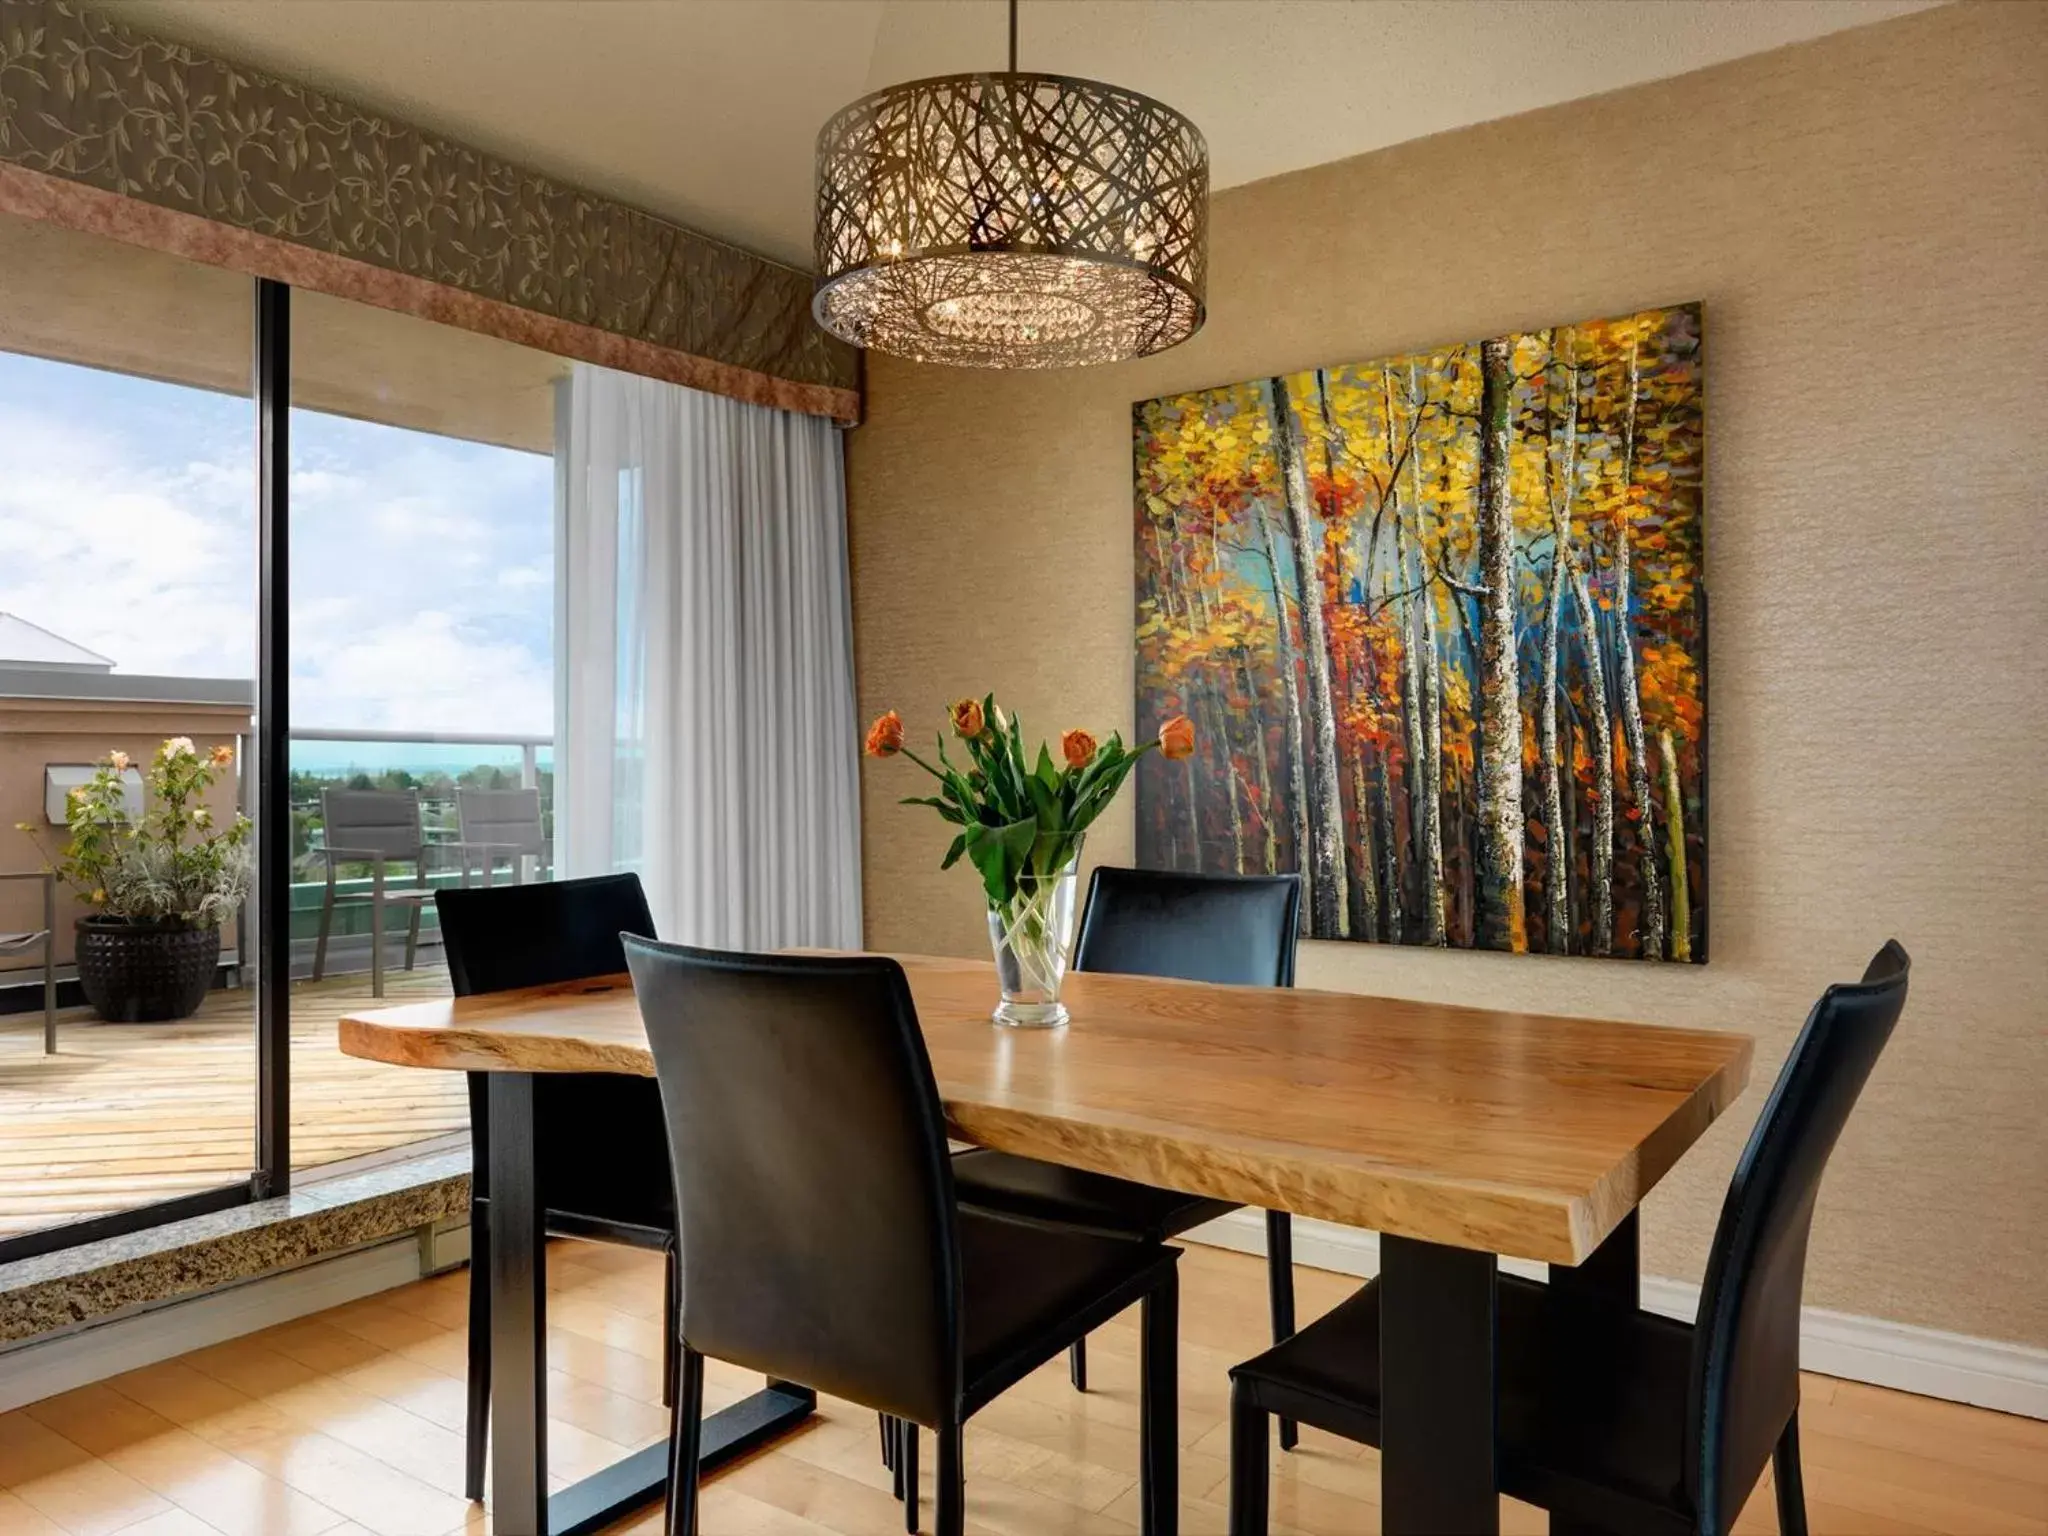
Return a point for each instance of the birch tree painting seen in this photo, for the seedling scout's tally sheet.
(1440, 625)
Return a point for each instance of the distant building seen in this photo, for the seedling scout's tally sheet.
(26, 647)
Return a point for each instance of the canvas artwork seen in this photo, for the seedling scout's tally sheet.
(1439, 623)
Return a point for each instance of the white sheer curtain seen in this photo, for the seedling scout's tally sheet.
(705, 731)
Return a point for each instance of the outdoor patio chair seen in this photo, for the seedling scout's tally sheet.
(44, 937)
(378, 827)
(501, 823)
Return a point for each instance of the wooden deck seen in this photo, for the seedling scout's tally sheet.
(125, 1114)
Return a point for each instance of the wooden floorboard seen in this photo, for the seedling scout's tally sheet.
(351, 1422)
(128, 1113)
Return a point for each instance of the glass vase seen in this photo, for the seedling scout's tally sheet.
(1030, 934)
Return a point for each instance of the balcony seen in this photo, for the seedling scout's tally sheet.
(125, 1114)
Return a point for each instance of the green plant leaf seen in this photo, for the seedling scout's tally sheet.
(947, 810)
(1001, 854)
(1045, 772)
(1045, 802)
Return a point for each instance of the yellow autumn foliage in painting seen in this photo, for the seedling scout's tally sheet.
(1440, 623)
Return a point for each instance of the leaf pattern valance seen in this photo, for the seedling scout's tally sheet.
(98, 107)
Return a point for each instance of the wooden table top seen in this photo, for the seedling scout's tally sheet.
(1526, 1135)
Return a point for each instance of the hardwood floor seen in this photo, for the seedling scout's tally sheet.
(128, 1113)
(351, 1422)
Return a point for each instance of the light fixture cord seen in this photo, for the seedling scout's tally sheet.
(1013, 36)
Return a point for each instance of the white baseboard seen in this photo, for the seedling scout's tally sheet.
(2013, 1378)
(131, 1340)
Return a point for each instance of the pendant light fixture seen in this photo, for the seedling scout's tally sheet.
(1012, 220)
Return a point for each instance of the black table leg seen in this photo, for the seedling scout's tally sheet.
(1437, 1367)
(520, 1504)
(1587, 1302)
(519, 1317)
(1610, 1281)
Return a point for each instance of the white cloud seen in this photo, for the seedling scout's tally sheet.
(421, 567)
(429, 673)
(151, 565)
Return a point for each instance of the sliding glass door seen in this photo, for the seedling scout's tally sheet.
(128, 657)
(357, 642)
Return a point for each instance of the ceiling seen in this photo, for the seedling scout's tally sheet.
(706, 111)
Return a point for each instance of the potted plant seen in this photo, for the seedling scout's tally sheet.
(1021, 822)
(160, 884)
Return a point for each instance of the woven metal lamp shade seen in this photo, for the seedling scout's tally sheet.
(1011, 220)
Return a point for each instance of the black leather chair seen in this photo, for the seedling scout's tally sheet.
(1236, 929)
(1622, 1421)
(603, 1157)
(821, 1240)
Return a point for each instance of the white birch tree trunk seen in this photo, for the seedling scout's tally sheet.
(1430, 779)
(1626, 684)
(1329, 911)
(1557, 903)
(1501, 923)
(1284, 652)
(1601, 918)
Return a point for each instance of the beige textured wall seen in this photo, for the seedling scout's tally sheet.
(1866, 218)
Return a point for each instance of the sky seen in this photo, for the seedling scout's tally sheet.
(422, 592)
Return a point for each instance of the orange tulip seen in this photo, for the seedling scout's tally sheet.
(968, 723)
(885, 736)
(1078, 747)
(1177, 739)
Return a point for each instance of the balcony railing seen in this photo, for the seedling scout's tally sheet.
(529, 746)
(438, 767)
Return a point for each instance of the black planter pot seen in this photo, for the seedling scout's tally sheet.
(140, 973)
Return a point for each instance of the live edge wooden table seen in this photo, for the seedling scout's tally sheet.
(1458, 1134)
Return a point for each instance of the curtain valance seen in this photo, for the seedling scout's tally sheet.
(156, 144)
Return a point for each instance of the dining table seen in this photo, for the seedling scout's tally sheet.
(1460, 1135)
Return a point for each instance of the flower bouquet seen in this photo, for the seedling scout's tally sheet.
(1022, 819)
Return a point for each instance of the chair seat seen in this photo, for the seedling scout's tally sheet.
(1072, 1197)
(391, 893)
(12, 941)
(1591, 1425)
(1027, 1292)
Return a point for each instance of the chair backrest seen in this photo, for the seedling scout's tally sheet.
(1745, 1367)
(510, 936)
(506, 818)
(1235, 929)
(816, 1203)
(385, 821)
(602, 1149)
